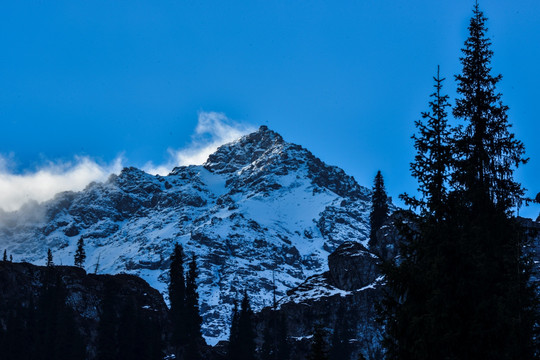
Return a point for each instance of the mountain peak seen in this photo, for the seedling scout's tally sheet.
(233, 156)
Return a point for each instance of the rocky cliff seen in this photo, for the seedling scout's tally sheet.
(22, 287)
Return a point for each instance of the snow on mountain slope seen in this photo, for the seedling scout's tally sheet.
(258, 206)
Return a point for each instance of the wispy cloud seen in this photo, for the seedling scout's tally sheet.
(50, 179)
(213, 130)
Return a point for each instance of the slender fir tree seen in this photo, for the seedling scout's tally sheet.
(379, 209)
(5, 258)
(233, 351)
(177, 297)
(487, 152)
(416, 311)
(80, 254)
(193, 318)
(433, 158)
(490, 239)
(245, 334)
(50, 262)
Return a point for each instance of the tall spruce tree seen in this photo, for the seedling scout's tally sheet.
(233, 350)
(245, 333)
(80, 254)
(379, 208)
(462, 281)
(5, 258)
(416, 310)
(193, 318)
(50, 261)
(433, 159)
(496, 291)
(487, 152)
(177, 297)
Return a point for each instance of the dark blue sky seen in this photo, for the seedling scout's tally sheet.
(345, 79)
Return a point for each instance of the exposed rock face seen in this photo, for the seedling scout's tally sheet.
(388, 237)
(350, 289)
(532, 231)
(258, 206)
(20, 285)
(352, 266)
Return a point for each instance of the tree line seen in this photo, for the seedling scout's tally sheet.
(461, 287)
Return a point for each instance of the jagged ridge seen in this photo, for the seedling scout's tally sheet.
(259, 206)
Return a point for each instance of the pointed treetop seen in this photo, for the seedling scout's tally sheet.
(49, 258)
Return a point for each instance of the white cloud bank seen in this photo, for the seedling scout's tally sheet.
(43, 184)
(213, 129)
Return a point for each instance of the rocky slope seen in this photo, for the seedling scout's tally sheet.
(21, 285)
(258, 208)
(349, 291)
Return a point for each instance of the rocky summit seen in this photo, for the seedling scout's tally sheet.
(260, 210)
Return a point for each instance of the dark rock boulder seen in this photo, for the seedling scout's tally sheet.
(351, 290)
(352, 266)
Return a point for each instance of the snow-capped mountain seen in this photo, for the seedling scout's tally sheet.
(259, 209)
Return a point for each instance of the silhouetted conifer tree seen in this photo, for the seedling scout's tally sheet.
(80, 254)
(490, 239)
(242, 336)
(49, 258)
(177, 297)
(234, 345)
(379, 208)
(5, 258)
(462, 280)
(433, 159)
(193, 318)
